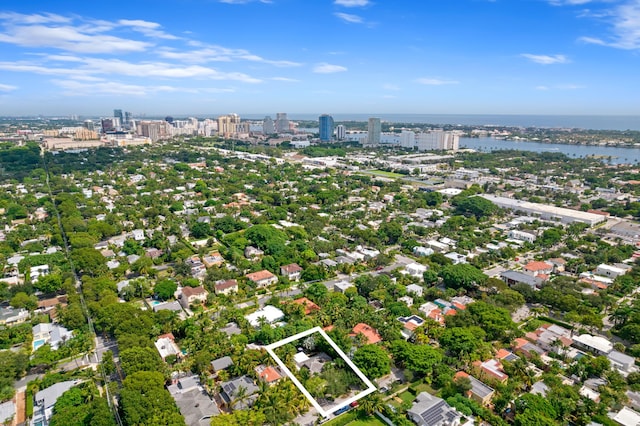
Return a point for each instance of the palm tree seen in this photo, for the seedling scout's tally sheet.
(371, 404)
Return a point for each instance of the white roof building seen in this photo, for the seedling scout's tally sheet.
(598, 345)
(269, 313)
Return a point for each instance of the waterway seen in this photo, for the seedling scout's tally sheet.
(618, 155)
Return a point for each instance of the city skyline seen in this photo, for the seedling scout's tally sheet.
(344, 56)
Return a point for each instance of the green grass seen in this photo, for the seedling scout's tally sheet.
(386, 174)
(423, 387)
(351, 419)
(407, 396)
(372, 421)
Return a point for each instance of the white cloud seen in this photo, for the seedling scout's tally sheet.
(285, 79)
(569, 2)
(546, 59)
(348, 17)
(390, 87)
(351, 3)
(561, 87)
(7, 87)
(97, 66)
(78, 88)
(69, 39)
(625, 27)
(324, 68)
(213, 53)
(149, 29)
(45, 18)
(435, 81)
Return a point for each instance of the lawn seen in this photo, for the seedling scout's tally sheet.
(386, 174)
(372, 421)
(407, 396)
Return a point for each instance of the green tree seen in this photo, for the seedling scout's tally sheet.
(23, 300)
(462, 276)
(372, 360)
(476, 206)
(140, 359)
(165, 288)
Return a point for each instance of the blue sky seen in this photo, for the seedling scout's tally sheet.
(208, 57)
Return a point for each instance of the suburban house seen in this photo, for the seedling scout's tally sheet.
(479, 392)
(192, 400)
(415, 289)
(409, 324)
(610, 271)
(166, 346)
(262, 278)
(193, 296)
(270, 375)
(212, 259)
(429, 410)
(253, 253)
(292, 271)
(314, 363)
(551, 338)
(595, 344)
(490, 370)
(53, 334)
(10, 315)
(625, 364)
(536, 269)
(220, 364)
(226, 286)
(415, 270)
(309, 306)
(522, 236)
(231, 391)
(369, 333)
(269, 315)
(44, 400)
(512, 278)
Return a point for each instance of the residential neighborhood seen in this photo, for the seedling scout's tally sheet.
(143, 284)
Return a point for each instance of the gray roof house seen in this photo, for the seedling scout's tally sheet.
(194, 404)
(429, 410)
(7, 412)
(231, 392)
(221, 363)
(515, 277)
(45, 399)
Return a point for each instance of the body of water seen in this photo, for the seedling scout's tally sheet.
(618, 155)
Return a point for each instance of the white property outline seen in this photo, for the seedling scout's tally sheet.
(370, 386)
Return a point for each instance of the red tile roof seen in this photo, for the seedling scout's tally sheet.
(367, 331)
(309, 306)
(260, 275)
(270, 375)
(291, 268)
(537, 266)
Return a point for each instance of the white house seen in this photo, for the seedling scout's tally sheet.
(456, 258)
(610, 271)
(415, 270)
(415, 289)
(269, 314)
(423, 251)
(522, 236)
(53, 334)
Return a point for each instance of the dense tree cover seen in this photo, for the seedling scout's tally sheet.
(420, 359)
(165, 289)
(19, 161)
(145, 401)
(372, 360)
(13, 365)
(476, 206)
(137, 359)
(462, 276)
(82, 405)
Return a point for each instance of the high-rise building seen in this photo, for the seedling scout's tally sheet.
(107, 125)
(430, 141)
(326, 127)
(117, 113)
(228, 125)
(127, 118)
(341, 132)
(89, 125)
(374, 130)
(282, 122)
(268, 126)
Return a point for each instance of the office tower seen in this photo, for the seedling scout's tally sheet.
(374, 130)
(228, 125)
(341, 132)
(326, 127)
(127, 117)
(282, 122)
(268, 126)
(89, 125)
(117, 113)
(107, 125)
